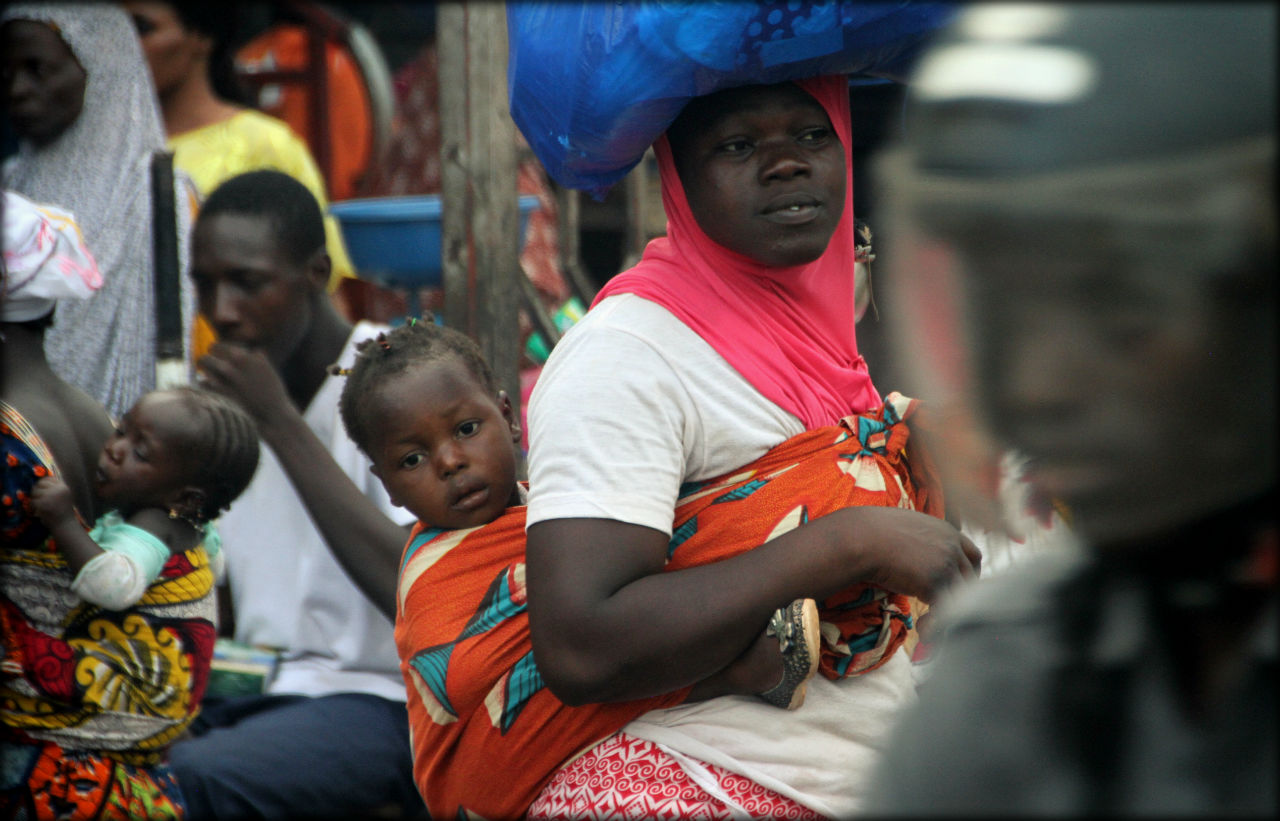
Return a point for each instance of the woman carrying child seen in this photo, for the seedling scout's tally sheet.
(108, 635)
(733, 335)
(110, 632)
(443, 441)
(421, 402)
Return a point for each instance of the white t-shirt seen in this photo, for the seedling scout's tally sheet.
(631, 405)
(289, 591)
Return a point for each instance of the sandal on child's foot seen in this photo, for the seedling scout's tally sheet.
(796, 628)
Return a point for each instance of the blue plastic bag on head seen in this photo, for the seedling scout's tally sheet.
(592, 84)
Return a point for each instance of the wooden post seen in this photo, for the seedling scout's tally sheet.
(480, 223)
(636, 207)
(455, 184)
(569, 209)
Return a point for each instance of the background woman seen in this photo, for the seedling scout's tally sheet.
(77, 93)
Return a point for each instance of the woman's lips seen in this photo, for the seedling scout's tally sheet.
(791, 209)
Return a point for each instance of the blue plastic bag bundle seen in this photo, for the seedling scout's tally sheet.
(593, 84)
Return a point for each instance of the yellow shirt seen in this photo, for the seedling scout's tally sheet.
(250, 141)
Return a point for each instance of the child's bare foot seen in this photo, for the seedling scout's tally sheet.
(797, 631)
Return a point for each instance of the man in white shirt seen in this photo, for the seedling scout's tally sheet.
(312, 546)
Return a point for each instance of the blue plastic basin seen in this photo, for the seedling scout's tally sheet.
(395, 241)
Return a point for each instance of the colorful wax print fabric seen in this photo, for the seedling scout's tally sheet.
(488, 735)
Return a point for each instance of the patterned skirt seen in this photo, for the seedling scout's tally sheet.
(43, 782)
(628, 777)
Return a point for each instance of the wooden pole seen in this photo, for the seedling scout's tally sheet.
(455, 220)
(569, 210)
(480, 223)
(638, 204)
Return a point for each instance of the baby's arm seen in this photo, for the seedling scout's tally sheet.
(759, 668)
(114, 574)
(51, 500)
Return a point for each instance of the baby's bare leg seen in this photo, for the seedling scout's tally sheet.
(756, 670)
(777, 665)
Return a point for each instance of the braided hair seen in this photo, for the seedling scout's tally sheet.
(388, 354)
(222, 447)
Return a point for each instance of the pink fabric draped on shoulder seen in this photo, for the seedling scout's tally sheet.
(789, 331)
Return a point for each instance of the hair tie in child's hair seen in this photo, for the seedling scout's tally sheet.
(337, 370)
(383, 341)
(194, 519)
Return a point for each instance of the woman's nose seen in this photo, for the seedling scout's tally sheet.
(782, 163)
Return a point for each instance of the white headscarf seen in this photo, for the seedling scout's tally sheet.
(45, 260)
(100, 170)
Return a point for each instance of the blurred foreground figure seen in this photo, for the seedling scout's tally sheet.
(1089, 190)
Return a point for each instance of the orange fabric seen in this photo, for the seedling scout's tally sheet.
(202, 338)
(93, 788)
(285, 47)
(488, 735)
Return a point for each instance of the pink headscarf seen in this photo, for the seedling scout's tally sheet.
(788, 330)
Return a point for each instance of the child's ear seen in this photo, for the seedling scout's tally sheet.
(509, 414)
(189, 501)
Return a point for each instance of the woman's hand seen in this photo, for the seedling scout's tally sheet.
(609, 624)
(902, 550)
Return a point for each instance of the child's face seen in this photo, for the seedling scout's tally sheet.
(444, 447)
(144, 462)
(764, 173)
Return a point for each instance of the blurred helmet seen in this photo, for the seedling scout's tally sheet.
(1016, 89)
(1101, 109)
(1138, 133)
(1063, 167)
